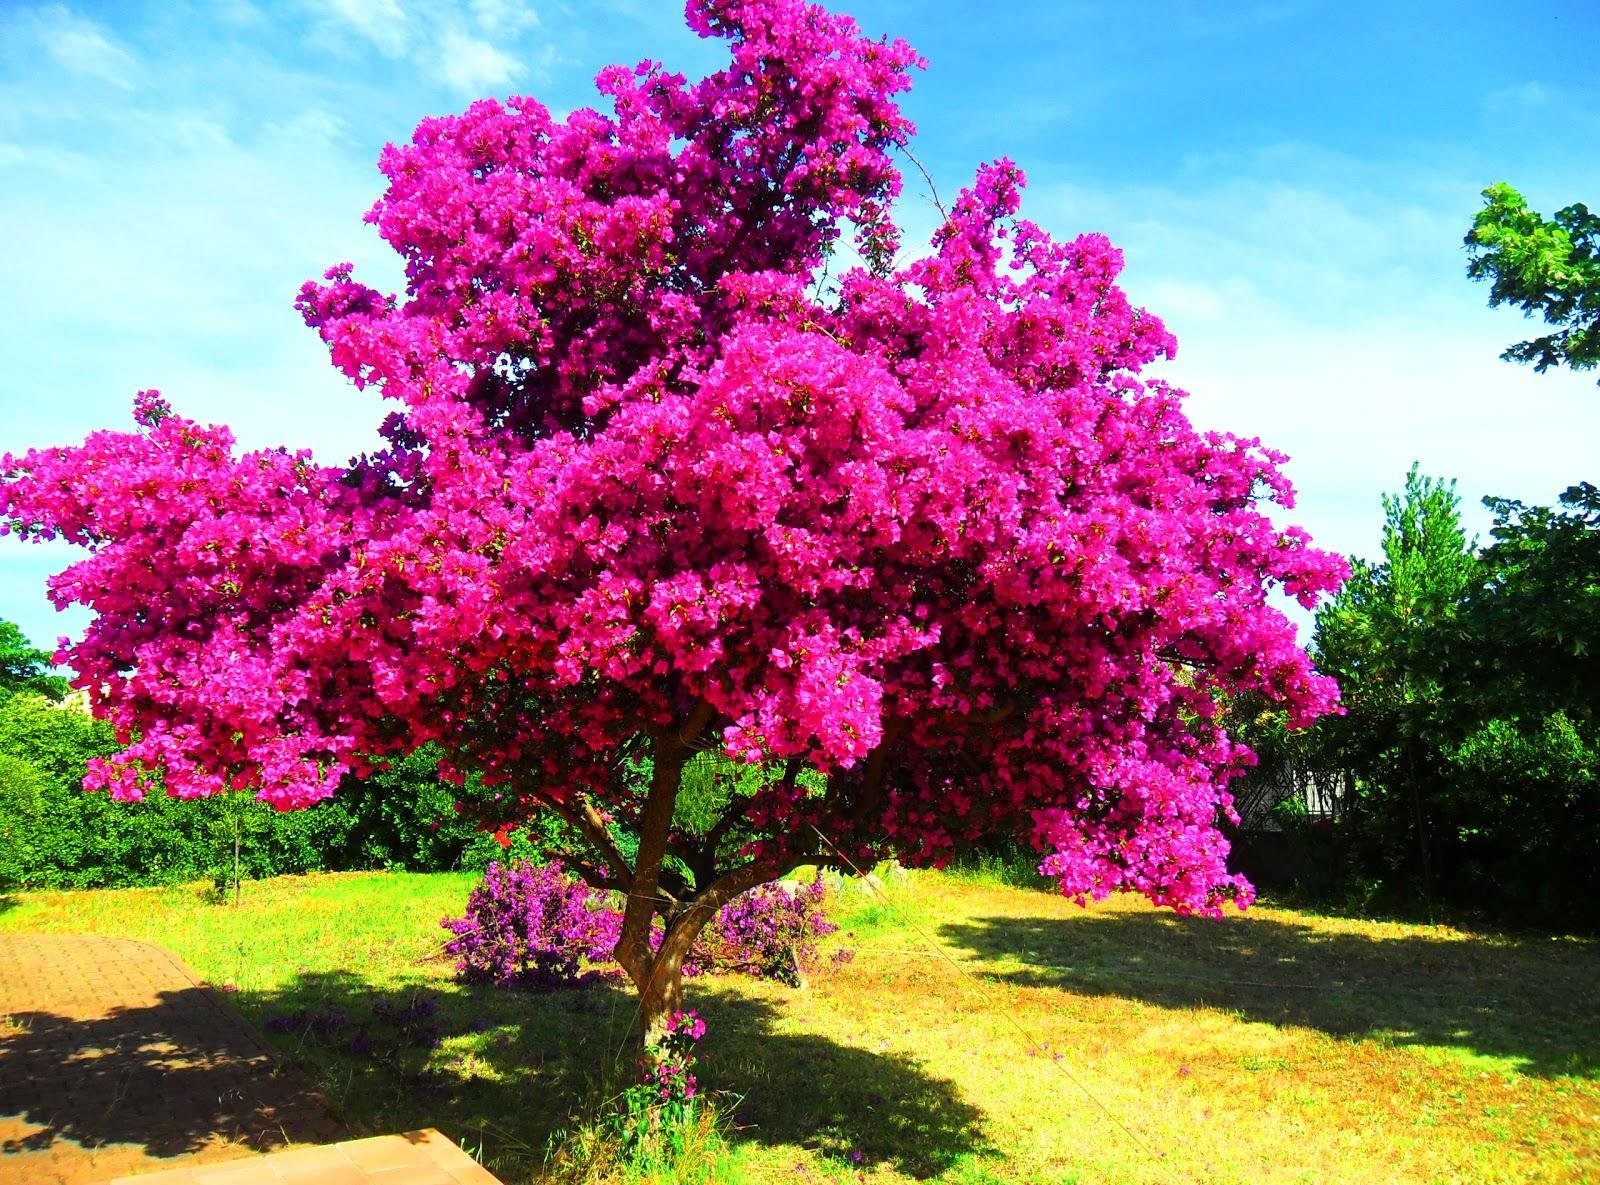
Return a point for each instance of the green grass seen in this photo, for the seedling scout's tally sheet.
(1047, 1045)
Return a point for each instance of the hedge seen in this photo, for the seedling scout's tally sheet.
(53, 834)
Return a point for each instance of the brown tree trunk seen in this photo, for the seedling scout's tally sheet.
(661, 992)
(658, 975)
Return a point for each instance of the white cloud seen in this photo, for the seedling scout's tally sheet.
(382, 23)
(1323, 305)
(504, 18)
(470, 65)
(240, 13)
(78, 45)
(1185, 302)
(312, 126)
(1516, 100)
(470, 48)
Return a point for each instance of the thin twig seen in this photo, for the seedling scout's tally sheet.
(933, 190)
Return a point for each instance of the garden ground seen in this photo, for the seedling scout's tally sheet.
(982, 1033)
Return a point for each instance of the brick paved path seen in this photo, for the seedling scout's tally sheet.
(115, 1060)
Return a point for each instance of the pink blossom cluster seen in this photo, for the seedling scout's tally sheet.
(670, 1075)
(929, 531)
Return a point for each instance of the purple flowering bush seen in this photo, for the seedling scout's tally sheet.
(770, 932)
(533, 926)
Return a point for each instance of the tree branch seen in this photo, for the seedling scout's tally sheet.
(695, 725)
(705, 862)
(730, 884)
(933, 191)
(593, 877)
(587, 820)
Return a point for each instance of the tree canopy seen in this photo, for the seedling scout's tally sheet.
(1539, 608)
(1549, 268)
(1471, 723)
(25, 668)
(922, 540)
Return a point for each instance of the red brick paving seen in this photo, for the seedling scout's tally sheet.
(115, 1060)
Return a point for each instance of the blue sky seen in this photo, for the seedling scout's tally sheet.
(1290, 182)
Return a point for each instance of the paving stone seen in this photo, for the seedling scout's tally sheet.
(117, 1062)
(115, 1059)
(415, 1158)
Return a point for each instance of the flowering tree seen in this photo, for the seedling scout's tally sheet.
(922, 542)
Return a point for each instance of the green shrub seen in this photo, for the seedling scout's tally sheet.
(55, 835)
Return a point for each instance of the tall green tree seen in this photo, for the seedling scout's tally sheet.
(25, 668)
(1546, 267)
(1391, 639)
(1469, 684)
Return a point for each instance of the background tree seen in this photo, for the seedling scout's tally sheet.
(1470, 725)
(24, 668)
(1539, 609)
(922, 542)
(1549, 268)
(1391, 638)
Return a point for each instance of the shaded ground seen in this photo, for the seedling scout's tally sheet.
(1529, 1004)
(115, 1060)
(507, 1070)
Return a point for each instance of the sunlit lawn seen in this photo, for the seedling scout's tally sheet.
(1053, 1045)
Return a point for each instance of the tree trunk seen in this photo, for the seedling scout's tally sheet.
(658, 974)
(661, 992)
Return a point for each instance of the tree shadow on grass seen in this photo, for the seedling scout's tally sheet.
(811, 1091)
(1534, 1002)
(504, 1071)
(174, 1078)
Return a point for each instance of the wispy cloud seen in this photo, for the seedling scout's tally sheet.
(384, 24)
(1517, 100)
(469, 48)
(471, 65)
(79, 45)
(504, 18)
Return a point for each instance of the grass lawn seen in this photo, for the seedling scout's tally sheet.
(1117, 1044)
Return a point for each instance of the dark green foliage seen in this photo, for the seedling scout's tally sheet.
(1527, 822)
(1470, 724)
(1539, 610)
(54, 835)
(24, 792)
(1547, 268)
(1389, 637)
(23, 668)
